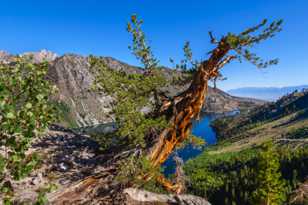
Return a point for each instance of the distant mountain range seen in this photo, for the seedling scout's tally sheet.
(265, 93)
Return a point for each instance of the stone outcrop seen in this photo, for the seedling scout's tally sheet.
(142, 197)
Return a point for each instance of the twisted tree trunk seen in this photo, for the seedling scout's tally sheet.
(185, 107)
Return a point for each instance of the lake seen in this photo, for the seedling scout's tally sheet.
(201, 129)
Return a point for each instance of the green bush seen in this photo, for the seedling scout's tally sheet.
(132, 93)
(25, 113)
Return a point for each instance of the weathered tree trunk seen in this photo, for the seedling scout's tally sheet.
(187, 106)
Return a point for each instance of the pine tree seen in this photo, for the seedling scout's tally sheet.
(270, 186)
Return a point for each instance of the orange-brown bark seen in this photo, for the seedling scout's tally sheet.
(187, 106)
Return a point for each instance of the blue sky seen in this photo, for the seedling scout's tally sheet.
(98, 27)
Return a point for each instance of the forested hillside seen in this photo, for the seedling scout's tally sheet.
(291, 108)
(230, 172)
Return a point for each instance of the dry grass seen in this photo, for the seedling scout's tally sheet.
(258, 135)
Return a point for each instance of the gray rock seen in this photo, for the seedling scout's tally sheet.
(142, 197)
(5, 57)
(40, 56)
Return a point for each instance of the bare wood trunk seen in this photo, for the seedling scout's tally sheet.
(187, 106)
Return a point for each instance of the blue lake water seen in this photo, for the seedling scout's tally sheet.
(201, 129)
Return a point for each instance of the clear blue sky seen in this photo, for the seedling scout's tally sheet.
(98, 27)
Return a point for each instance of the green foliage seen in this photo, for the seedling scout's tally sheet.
(132, 93)
(216, 176)
(187, 65)
(242, 42)
(140, 48)
(42, 198)
(270, 186)
(21, 169)
(204, 180)
(7, 190)
(188, 52)
(106, 141)
(298, 133)
(134, 168)
(24, 114)
(7, 201)
(63, 113)
(233, 176)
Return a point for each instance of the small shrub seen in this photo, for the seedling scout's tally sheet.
(25, 113)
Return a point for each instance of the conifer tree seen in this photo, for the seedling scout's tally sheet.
(186, 106)
(182, 109)
(270, 186)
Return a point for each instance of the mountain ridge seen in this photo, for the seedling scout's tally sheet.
(265, 93)
(81, 106)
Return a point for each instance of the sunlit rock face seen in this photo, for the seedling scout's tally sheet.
(72, 76)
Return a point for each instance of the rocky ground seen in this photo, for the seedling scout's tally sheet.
(73, 170)
(66, 158)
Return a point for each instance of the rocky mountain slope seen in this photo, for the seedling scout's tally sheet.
(81, 106)
(277, 119)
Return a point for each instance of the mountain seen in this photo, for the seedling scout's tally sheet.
(227, 171)
(73, 76)
(276, 119)
(265, 93)
(81, 106)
